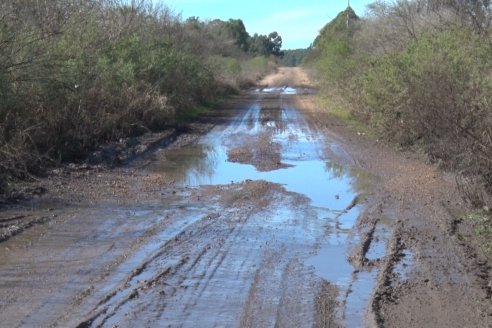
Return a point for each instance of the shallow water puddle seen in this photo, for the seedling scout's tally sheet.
(404, 266)
(380, 239)
(358, 296)
(326, 184)
(306, 171)
(332, 265)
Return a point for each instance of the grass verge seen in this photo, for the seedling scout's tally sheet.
(482, 223)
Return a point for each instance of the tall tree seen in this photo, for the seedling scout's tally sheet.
(238, 32)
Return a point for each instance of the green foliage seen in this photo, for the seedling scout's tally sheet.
(266, 45)
(226, 38)
(75, 75)
(257, 64)
(255, 68)
(333, 54)
(416, 83)
(239, 34)
(342, 25)
(482, 222)
(433, 92)
(293, 58)
(226, 67)
(236, 73)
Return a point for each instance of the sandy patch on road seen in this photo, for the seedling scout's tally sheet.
(291, 76)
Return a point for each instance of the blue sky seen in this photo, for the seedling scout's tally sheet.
(297, 21)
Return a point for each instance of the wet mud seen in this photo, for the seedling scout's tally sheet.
(244, 226)
(266, 216)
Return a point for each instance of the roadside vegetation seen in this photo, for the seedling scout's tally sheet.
(483, 228)
(294, 57)
(419, 73)
(75, 74)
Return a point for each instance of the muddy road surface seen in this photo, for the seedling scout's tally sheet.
(268, 215)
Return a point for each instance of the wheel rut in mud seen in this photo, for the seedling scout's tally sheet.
(253, 225)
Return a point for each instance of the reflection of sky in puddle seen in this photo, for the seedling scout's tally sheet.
(380, 239)
(332, 265)
(310, 178)
(330, 187)
(326, 184)
(404, 266)
(330, 261)
(359, 296)
(286, 90)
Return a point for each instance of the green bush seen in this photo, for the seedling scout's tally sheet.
(435, 93)
(75, 75)
(416, 83)
(64, 92)
(254, 69)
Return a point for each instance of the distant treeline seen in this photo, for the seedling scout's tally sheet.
(420, 73)
(75, 74)
(293, 58)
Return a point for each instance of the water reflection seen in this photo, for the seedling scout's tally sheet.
(330, 187)
(185, 165)
(325, 183)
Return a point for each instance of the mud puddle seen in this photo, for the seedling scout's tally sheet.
(256, 230)
(302, 169)
(404, 266)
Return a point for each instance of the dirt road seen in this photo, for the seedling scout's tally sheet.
(273, 215)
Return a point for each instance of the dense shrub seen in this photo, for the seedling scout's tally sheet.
(255, 68)
(432, 92)
(420, 73)
(293, 58)
(437, 95)
(333, 54)
(65, 92)
(74, 75)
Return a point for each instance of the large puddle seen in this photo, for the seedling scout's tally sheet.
(306, 171)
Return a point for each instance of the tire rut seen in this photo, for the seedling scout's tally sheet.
(208, 230)
(12, 227)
